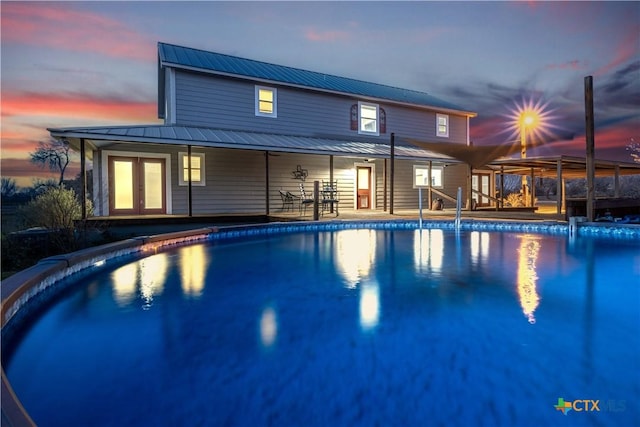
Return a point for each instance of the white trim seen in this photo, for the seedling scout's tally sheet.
(446, 117)
(468, 138)
(360, 130)
(372, 167)
(104, 175)
(274, 91)
(170, 97)
(203, 176)
(433, 168)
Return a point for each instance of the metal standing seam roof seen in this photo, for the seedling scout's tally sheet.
(222, 138)
(189, 58)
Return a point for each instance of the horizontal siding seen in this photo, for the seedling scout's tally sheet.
(236, 180)
(407, 197)
(210, 101)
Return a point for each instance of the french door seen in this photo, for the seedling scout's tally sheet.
(481, 182)
(137, 186)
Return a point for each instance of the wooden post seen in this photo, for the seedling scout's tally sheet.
(333, 196)
(559, 187)
(470, 187)
(533, 188)
(316, 200)
(391, 170)
(590, 142)
(384, 185)
(430, 197)
(83, 179)
(266, 186)
(190, 190)
(501, 186)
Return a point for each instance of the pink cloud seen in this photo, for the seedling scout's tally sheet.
(59, 26)
(625, 51)
(569, 65)
(326, 36)
(76, 106)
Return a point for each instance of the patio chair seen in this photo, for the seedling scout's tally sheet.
(287, 200)
(330, 197)
(305, 200)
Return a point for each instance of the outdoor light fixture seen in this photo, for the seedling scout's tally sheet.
(529, 119)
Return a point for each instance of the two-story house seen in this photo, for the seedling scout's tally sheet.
(236, 132)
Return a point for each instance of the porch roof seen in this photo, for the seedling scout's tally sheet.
(572, 167)
(103, 137)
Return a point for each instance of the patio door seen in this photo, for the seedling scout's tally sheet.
(136, 186)
(363, 187)
(481, 182)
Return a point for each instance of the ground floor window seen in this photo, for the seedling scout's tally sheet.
(421, 176)
(197, 169)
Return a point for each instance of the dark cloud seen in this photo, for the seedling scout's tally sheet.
(622, 89)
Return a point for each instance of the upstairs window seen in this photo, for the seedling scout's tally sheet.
(442, 125)
(266, 101)
(197, 169)
(356, 118)
(369, 123)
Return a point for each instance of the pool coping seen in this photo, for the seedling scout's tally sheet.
(19, 289)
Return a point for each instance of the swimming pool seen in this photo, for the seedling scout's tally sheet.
(338, 324)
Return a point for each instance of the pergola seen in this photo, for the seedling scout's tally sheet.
(559, 167)
(562, 168)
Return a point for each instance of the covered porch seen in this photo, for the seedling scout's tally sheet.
(205, 171)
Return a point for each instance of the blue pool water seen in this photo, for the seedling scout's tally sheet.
(351, 327)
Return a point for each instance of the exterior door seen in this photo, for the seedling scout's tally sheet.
(136, 186)
(363, 187)
(482, 182)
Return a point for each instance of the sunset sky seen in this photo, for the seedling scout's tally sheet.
(94, 63)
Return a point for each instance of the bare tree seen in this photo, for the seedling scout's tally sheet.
(634, 148)
(8, 187)
(54, 154)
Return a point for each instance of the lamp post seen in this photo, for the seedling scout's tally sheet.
(528, 120)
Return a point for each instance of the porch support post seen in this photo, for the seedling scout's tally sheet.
(430, 194)
(559, 187)
(391, 170)
(384, 185)
(470, 187)
(501, 203)
(267, 206)
(331, 180)
(83, 179)
(190, 189)
(590, 143)
(533, 188)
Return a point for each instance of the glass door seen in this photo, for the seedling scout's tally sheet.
(481, 182)
(136, 186)
(363, 186)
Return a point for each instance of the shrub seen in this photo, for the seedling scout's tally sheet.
(55, 209)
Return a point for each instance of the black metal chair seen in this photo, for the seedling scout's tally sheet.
(287, 200)
(305, 200)
(330, 197)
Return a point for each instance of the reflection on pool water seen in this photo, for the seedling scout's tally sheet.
(346, 327)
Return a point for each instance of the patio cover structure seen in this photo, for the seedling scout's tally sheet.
(562, 168)
(559, 167)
